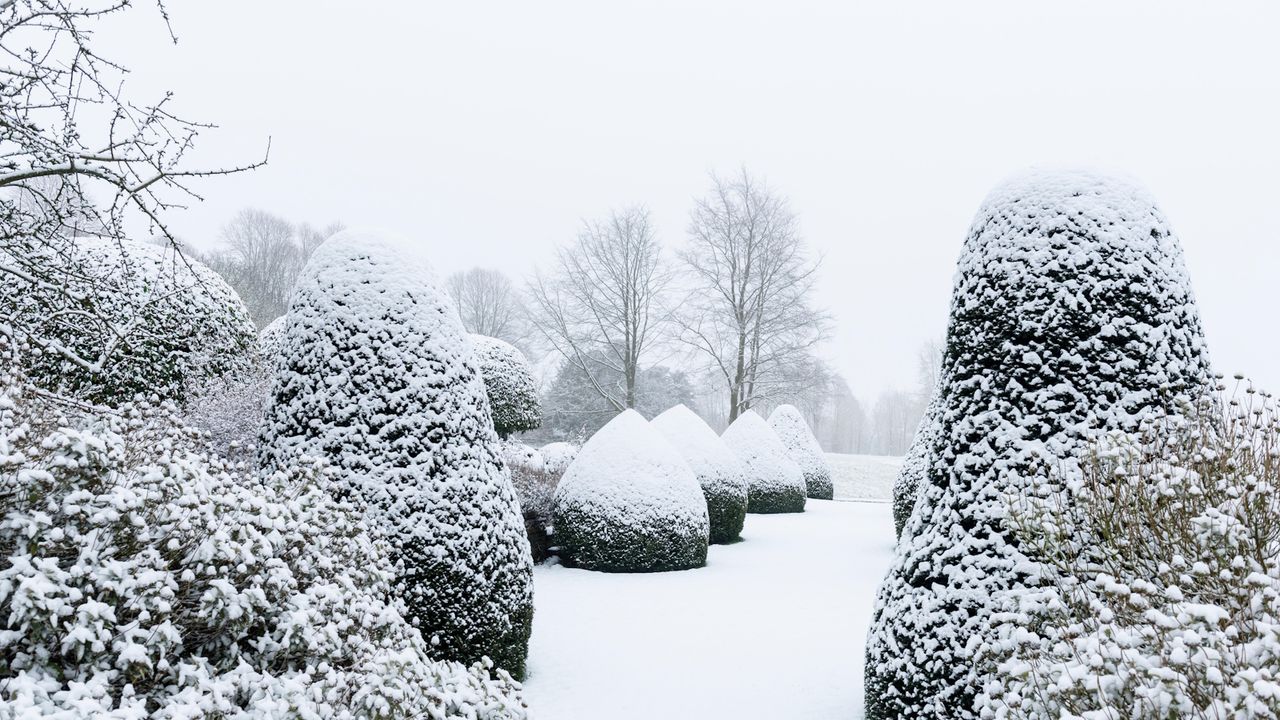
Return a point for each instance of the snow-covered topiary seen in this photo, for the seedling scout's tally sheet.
(557, 456)
(804, 450)
(163, 323)
(271, 339)
(630, 503)
(775, 484)
(377, 377)
(721, 475)
(914, 466)
(143, 579)
(508, 379)
(1072, 314)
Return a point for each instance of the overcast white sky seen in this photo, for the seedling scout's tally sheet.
(488, 129)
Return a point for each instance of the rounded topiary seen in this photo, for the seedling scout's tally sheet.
(914, 466)
(376, 375)
(804, 450)
(775, 484)
(181, 325)
(513, 394)
(721, 475)
(1072, 314)
(630, 503)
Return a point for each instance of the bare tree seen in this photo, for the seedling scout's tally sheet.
(749, 309)
(489, 304)
(69, 132)
(599, 307)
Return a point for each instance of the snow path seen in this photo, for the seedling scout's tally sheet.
(773, 627)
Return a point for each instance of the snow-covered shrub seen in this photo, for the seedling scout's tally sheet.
(775, 484)
(144, 579)
(556, 456)
(508, 379)
(630, 503)
(721, 475)
(270, 340)
(170, 323)
(1072, 314)
(804, 450)
(915, 466)
(1165, 560)
(534, 486)
(376, 376)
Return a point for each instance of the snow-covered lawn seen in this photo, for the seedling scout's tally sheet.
(863, 477)
(772, 627)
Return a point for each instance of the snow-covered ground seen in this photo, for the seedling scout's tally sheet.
(863, 477)
(772, 627)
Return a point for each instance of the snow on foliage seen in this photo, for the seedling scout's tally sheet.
(557, 456)
(915, 466)
(1072, 314)
(721, 475)
(630, 503)
(144, 579)
(1165, 566)
(270, 340)
(508, 379)
(376, 376)
(181, 324)
(775, 484)
(803, 449)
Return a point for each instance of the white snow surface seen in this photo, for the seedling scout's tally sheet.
(628, 472)
(863, 477)
(769, 465)
(802, 446)
(718, 469)
(772, 628)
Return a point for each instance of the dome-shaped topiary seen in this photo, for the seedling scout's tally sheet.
(804, 450)
(174, 323)
(721, 475)
(513, 394)
(377, 376)
(630, 503)
(1072, 314)
(775, 484)
(914, 466)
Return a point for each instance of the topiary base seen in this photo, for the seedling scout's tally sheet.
(727, 512)
(767, 502)
(587, 542)
(818, 486)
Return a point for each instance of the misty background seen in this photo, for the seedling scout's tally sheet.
(488, 132)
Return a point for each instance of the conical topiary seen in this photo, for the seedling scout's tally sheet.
(376, 375)
(775, 484)
(630, 503)
(804, 450)
(722, 477)
(1072, 314)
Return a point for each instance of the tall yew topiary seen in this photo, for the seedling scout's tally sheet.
(376, 375)
(1072, 314)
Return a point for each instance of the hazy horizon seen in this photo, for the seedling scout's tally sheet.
(490, 131)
